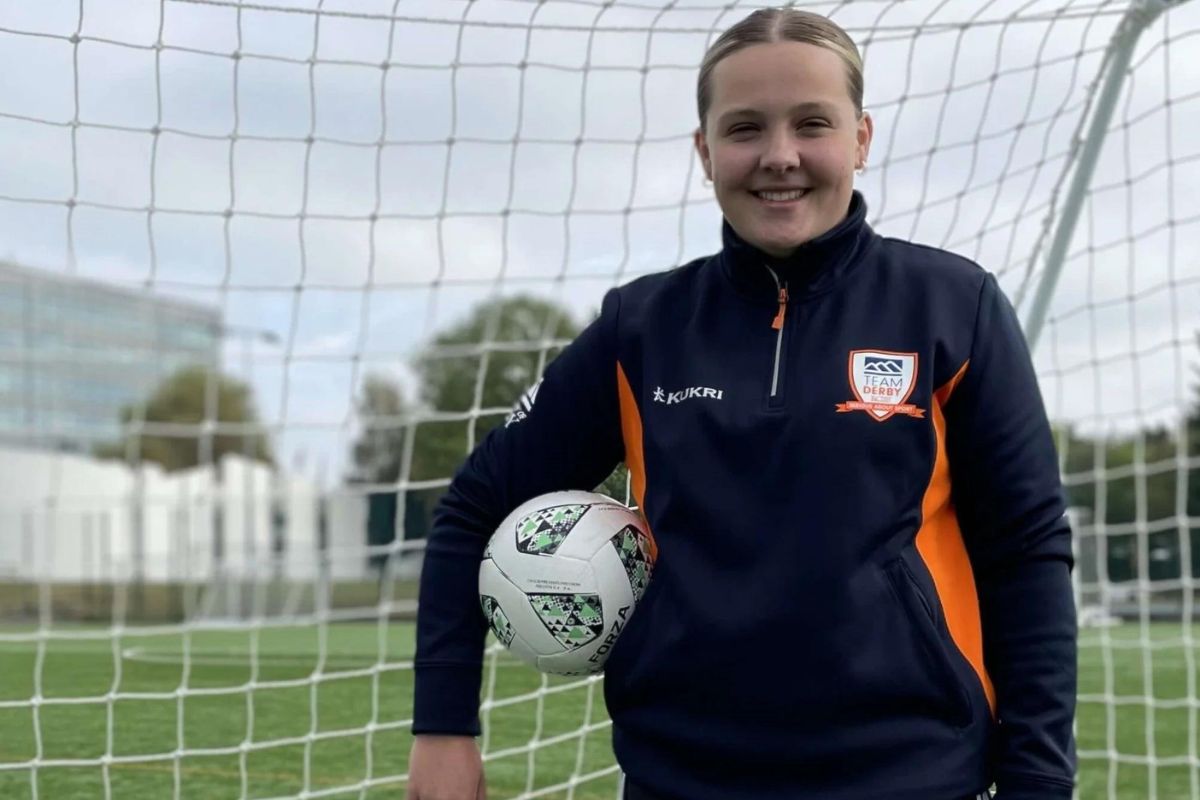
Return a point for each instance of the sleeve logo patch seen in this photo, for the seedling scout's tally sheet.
(523, 406)
(882, 382)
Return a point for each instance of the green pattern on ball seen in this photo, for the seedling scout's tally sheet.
(541, 532)
(497, 619)
(572, 619)
(633, 547)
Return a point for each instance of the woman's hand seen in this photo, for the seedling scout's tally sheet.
(445, 768)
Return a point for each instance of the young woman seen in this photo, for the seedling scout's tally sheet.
(862, 588)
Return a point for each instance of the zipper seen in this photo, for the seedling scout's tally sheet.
(777, 324)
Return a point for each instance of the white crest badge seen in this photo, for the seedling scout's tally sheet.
(882, 381)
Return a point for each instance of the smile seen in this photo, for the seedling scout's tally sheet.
(781, 197)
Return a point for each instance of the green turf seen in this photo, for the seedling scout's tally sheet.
(1125, 669)
(223, 720)
(220, 661)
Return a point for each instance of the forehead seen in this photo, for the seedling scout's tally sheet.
(779, 72)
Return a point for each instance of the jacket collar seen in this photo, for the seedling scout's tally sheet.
(814, 268)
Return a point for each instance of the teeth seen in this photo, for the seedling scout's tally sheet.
(781, 196)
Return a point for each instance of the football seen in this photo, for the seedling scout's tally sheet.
(561, 576)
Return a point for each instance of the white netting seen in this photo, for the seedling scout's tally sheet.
(368, 225)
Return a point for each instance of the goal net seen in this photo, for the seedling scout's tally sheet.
(269, 270)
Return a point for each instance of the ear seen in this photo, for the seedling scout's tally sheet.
(702, 150)
(864, 134)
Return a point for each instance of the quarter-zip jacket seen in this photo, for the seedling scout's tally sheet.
(862, 588)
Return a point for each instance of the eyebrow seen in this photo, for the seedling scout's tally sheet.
(807, 107)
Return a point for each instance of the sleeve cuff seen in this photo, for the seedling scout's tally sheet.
(446, 700)
(1028, 788)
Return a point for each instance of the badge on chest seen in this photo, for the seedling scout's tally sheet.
(882, 381)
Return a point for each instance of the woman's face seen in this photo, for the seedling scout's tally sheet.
(781, 141)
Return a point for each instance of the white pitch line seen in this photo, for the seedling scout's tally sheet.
(241, 658)
(231, 659)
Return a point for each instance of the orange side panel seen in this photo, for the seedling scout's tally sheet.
(631, 432)
(941, 546)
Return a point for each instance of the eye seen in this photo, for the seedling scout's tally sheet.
(813, 123)
(742, 129)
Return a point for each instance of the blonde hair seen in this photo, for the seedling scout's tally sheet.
(782, 25)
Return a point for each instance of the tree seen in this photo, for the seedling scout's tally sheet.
(1137, 483)
(376, 457)
(485, 362)
(183, 399)
(381, 412)
(1140, 483)
(496, 353)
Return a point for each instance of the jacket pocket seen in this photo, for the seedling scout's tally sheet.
(925, 619)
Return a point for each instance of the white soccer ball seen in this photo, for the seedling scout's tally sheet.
(560, 577)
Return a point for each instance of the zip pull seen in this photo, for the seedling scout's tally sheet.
(777, 323)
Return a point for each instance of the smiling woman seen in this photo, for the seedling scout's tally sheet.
(780, 135)
(817, 620)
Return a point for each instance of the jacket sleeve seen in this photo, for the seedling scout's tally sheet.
(564, 434)
(1011, 509)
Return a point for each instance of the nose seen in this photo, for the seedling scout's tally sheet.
(781, 153)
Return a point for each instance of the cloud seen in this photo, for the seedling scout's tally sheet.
(543, 158)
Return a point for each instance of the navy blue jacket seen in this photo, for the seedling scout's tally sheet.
(862, 588)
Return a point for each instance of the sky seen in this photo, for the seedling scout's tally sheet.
(344, 179)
